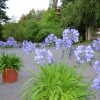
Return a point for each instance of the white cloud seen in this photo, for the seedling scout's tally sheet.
(19, 7)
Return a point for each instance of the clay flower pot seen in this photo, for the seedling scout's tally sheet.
(9, 75)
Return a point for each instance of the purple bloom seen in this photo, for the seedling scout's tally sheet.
(12, 42)
(1, 43)
(67, 43)
(32, 45)
(84, 53)
(26, 46)
(96, 83)
(97, 66)
(9, 42)
(59, 43)
(15, 44)
(50, 39)
(10, 39)
(42, 45)
(96, 44)
(43, 56)
(70, 36)
(4, 43)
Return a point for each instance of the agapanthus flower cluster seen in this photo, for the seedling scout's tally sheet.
(3, 43)
(97, 66)
(96, 44)
(70, 36)
(50, 39)
(9, 42)
(12, 42)
(96, 83)
(28, 46)
(84, 53)
(59, 43)
(43, 56)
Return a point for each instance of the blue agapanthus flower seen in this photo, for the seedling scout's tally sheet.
(28, 46)
(32, 45)
(9, 42)
(70, 36)
(43, 56)
(84, 53)
(11, 39)
(59, 43)
(97, 66)
(12, 42)
(3, 44)
(50, 39)
(96, 83)
(96, 44)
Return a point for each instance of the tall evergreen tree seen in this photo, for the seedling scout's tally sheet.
(3, 16)
(53, 4)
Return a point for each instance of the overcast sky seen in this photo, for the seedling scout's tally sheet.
(19, 7)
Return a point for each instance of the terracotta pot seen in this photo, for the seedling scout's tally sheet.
(10, 75)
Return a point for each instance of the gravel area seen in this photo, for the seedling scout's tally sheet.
(10, 91)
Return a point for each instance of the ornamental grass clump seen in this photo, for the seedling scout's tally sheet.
(56, 82)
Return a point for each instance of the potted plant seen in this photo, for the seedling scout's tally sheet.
(10, 64)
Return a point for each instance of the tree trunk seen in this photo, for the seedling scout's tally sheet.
(86, 33)
(0, 32)
(89, 33)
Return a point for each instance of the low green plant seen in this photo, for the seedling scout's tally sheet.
(10, 61)
(56, 82)
(3, 47)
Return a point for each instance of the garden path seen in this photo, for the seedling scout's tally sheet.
(11, 91)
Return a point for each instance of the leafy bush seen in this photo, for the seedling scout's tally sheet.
(56, 82)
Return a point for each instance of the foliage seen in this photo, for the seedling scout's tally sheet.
(10, 29)
(49, 23)
(56, 82)
(34, 26)
(85, 11)
(81, 13)
(10, 61)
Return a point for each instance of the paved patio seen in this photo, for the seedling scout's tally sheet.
(11, 91)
